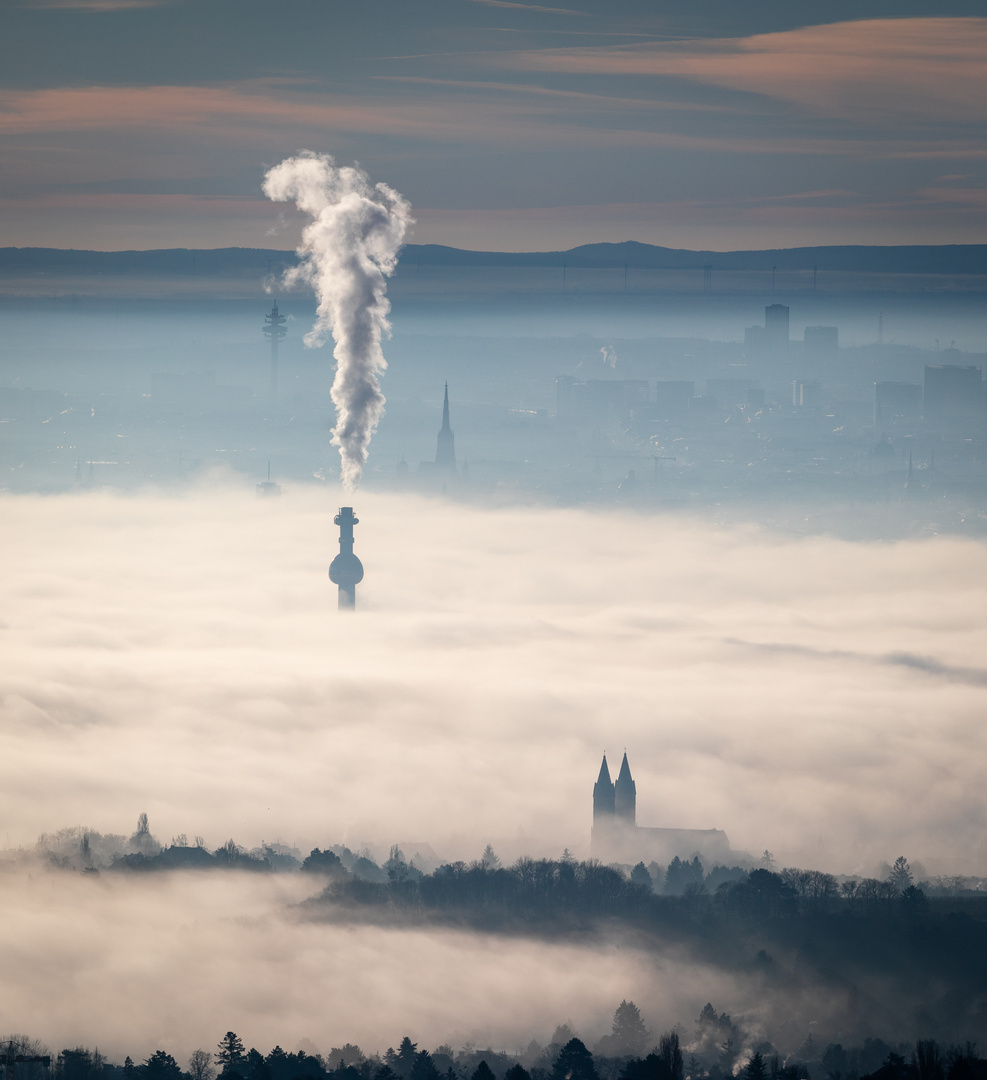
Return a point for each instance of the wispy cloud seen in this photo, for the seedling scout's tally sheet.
(909, 69)
(928, 665)
(238, 115)
(96, 6)
(594, 100)
(961, 196)
(527, 7)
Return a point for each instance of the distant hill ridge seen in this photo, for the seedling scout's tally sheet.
(223, 262)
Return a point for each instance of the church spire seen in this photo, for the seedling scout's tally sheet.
(604, 777)
(625, 794)
(445, 447)
(603, 795)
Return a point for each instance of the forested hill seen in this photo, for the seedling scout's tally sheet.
(245, 262)
(796, 932)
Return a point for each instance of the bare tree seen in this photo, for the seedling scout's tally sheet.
(230, 852)
(200, 1065)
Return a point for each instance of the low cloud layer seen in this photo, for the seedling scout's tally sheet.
(172, 962)
(183, 656)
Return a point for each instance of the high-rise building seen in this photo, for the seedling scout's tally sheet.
(953, 396)
(806, 393)
(897, 404)
(821, 342)
(599, 400)
(776, 330)
(754, 342)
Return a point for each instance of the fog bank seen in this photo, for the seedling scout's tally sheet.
(173, 961)
(183, 656)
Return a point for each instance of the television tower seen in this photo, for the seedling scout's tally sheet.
(346, 570)
(275, 329)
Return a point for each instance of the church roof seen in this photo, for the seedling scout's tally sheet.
(625, 771)
(604, 777)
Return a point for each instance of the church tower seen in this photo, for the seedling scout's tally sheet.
(603, 797)
(445, 448)
(625, 795)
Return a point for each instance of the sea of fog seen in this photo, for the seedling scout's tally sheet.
(159, 961)
(183, 656)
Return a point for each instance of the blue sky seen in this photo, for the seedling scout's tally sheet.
(512, 126)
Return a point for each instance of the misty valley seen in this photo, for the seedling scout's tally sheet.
(870, 962)
(830, 976)
(732, 520)
(496, 490)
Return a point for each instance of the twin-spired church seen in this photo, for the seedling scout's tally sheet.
(617, 837)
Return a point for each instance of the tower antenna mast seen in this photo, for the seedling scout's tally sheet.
(346, 570)
(275, 329)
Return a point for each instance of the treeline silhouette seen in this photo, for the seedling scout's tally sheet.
(716, 1050)
(911, 956)
(533, 890)
(910, 964)
(791, 889)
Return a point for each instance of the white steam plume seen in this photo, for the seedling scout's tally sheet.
(347, 251)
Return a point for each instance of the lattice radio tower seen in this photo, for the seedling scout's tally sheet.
(275, 329)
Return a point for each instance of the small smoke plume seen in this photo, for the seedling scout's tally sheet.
(347, 251)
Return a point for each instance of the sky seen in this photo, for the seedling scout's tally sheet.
(508, 125)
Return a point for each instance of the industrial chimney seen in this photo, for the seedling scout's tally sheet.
(346, 570)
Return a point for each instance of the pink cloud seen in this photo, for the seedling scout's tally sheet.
(96, 5)
(238, 115)
(201, 205)
(875, 68)
(969, 196)
(528, 7)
